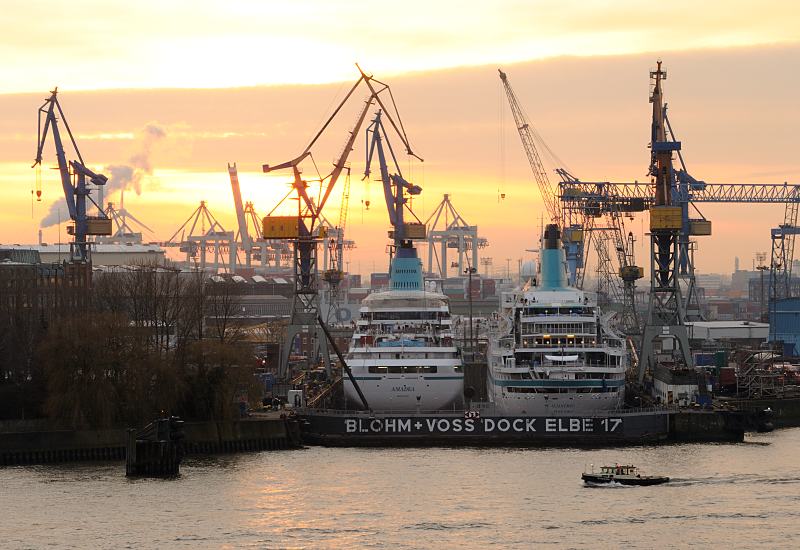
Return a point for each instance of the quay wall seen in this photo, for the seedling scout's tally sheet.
(708, 426)
(785, 411)
(27, 446)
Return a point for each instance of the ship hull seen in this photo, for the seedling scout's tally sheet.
(595, 479)
(561, 405)
(406, 393)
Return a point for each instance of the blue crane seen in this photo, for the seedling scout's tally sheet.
(74, 175)
(395, 186)
(668, 196)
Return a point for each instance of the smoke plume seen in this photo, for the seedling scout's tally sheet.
(121, 177)
(57, 213)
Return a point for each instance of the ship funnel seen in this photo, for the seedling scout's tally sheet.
(405, 271)
(553, 265)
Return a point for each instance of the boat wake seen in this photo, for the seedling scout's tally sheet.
(611, 485)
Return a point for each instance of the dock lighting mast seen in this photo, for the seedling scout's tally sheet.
(74, 176)
(666, 314)
(300, 229)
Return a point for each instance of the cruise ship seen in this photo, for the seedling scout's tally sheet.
(402, 354)
(550, 351)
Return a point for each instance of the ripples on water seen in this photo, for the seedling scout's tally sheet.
(733, 495)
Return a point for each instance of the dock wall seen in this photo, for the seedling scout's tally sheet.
(52, 446)
(708, 426)
(785, 411)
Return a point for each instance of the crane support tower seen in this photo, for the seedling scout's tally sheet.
(300, 229)
(74, 178)
(780, 265)
(666, 314)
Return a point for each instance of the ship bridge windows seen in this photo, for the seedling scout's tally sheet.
(557, 328)
(403, 369)
(526, 389)
(409, 315)
(550, 341)
(564, 310)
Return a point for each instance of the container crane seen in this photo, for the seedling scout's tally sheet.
(74, 175)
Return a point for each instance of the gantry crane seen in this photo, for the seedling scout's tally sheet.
(300, 229)
(74, 176)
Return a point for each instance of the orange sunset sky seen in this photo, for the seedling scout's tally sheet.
(191, 86)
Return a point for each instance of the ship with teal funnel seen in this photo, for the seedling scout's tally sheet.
(402, 355)
(551, 352)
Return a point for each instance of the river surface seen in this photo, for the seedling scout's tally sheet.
(737, 496)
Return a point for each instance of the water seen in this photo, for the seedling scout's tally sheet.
(743, 495)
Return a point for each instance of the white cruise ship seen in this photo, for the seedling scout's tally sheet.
(550, 352)
(402, 354)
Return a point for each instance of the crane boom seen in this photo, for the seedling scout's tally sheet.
(547, 191)
(394, 186)
(244, 235)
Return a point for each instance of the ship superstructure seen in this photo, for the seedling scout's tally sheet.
(550, 350)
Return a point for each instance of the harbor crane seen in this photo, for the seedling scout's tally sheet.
(395, 188)
(300, 229)
(448, 228)
(668, 196)
(74, 178)
(579, 225)
(572, 231)
(666, 317)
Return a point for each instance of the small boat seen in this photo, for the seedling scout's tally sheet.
(624, 475)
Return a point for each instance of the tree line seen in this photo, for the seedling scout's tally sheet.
(135, 343)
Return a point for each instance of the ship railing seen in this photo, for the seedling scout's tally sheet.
(582, 345)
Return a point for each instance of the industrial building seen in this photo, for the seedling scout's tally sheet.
(101, 254)
(784, 321)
